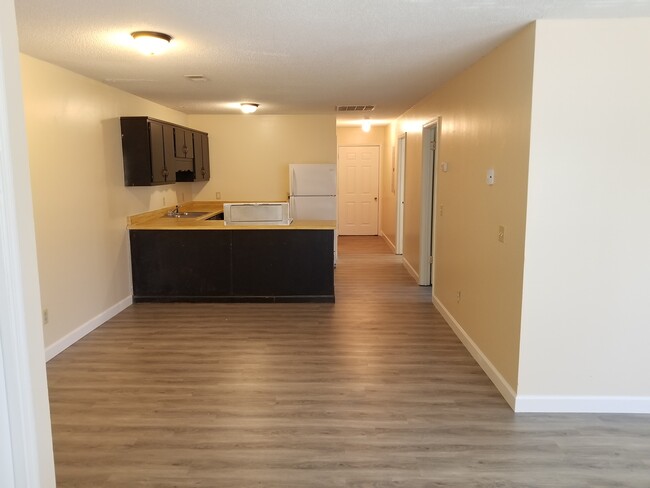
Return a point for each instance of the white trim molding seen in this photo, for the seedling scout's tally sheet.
(414, 274)
(83, 330)
(388, 241)
(26, 455)
(581, 404)
(486, 365)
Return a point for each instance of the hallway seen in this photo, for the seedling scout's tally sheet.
(372, 391)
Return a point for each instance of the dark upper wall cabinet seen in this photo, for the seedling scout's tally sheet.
(159, 153)
(143, 151)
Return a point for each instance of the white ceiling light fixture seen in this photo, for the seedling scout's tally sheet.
(248, 108)
(151, 43)
(365, 125)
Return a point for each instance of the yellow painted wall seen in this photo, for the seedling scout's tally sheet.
(485, 123)
(354, 136)
(250, 154)
(80, 201)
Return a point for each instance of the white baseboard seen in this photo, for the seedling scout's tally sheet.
(499, 381)
(389, 242)
(582, 404)
(411, 270)
(66, 341)
(544, 403)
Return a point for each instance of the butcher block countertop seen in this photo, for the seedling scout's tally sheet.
(157, 220)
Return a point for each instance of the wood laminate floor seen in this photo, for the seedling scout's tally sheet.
(373, 391)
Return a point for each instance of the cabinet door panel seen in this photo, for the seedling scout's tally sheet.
(184, 148)
(205, 149)
(159, 173)
(201, 157)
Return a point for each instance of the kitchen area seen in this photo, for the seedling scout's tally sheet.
(76, 166)
(226, 251)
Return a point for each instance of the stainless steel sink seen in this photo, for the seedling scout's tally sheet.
(185, 215)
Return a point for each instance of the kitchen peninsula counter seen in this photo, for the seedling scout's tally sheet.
(157, 220)
(201, 260)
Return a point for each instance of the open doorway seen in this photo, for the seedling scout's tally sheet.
(427, 213)
(401, 163)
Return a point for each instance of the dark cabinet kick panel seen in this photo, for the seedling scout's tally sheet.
(158, 153)
(238, 265)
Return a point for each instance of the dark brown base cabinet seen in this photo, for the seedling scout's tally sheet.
(232, 265)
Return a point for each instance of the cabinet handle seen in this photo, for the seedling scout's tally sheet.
(203, 172)
(184, 149)
(165, 172)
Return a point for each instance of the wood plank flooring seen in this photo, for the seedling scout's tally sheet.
(372, 391)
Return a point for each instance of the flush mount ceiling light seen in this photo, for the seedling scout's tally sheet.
(151, 43)
(248, 108)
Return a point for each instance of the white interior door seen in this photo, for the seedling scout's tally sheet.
(358, 190)
(427, 211)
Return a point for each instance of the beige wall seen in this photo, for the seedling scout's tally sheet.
(250, 154)
(485, 121)
(585, 319)
(80, 201)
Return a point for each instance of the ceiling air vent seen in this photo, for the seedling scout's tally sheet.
(197, 78)
(355, 108)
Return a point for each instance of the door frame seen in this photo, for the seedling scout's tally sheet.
(338, 180)
(400, 190)
(26, 456)
(428, 202)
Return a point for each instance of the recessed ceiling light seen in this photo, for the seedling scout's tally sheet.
(151, 43)
(248, 108)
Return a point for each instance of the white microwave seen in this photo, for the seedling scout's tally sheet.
(256, 213)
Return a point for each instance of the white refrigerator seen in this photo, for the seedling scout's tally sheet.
(312, 193)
